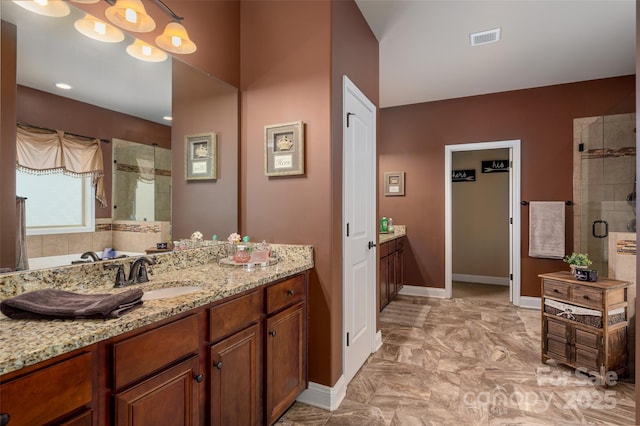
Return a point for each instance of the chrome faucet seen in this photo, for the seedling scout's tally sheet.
(138, 271)
(90, 254)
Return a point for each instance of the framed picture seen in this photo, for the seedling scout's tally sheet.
(284, 149)
(201, 156)
(393, 183)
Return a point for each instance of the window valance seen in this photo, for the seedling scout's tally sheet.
(40, 151)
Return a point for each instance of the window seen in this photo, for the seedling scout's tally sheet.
(57, 203)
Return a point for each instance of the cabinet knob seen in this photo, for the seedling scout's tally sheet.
(199, 377)
(4, 419)
(586, 297)
(291, 292)
(272, 333)
(555, 290)
(218, 365)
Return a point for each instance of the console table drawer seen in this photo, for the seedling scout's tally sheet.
(556, 290)
(587, 296)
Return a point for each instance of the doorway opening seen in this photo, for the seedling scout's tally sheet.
(509, 273)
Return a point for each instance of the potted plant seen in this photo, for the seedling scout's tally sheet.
(577, 261)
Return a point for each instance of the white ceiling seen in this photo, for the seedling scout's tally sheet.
(425, 54)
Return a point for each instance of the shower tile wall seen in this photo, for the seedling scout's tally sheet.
(604, 179)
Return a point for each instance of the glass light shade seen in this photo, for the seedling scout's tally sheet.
(54, 8)
(145, 52)
(130, 15)
(85, 1)
(175, 39)
(96, 29)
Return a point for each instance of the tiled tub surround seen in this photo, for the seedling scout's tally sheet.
(121, 235)
(27, 342)
(398, 232)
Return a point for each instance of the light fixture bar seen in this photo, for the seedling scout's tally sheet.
(168, 11)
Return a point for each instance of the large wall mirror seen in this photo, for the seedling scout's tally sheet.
(50, 50)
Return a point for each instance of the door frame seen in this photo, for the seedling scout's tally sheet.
(370, 298)
(514, 212)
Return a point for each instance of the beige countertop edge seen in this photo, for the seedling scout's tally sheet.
(383, 238)
(27, 342)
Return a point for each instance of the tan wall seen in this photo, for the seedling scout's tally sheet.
(413, 139)
(480, 213)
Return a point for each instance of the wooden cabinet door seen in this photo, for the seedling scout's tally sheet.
(169, 398)
(392, 275)
(286, 374)
(399, 266)
(384, 282)
(235, 379)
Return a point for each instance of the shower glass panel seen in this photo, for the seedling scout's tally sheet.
(141, 182)
(607, 162)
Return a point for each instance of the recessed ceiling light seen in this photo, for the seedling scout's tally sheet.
(63, 86)
(485, 37)
(167, 117)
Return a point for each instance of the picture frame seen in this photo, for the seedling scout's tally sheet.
(284, 149)
(393, 184)
(201, 156)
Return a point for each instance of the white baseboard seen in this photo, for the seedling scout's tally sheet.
(378, 342)
(480, 279)
(414, 290)
(325, 397)
(530, 302)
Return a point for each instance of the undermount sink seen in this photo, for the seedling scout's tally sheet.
(169, 292)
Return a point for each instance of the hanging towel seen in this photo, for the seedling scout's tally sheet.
(546, 229)
(58, 304)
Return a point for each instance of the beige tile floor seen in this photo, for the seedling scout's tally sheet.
(472, 361)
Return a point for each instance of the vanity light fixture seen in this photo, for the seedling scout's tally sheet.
(53, 8)
(130, 15)
(167, 118)
(96, 29)
(85, 1)
(175, 39)
(145, 52)
(63, 86)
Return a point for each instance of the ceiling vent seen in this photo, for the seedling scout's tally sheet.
(485, 37)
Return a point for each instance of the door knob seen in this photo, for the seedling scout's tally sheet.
(371, 245)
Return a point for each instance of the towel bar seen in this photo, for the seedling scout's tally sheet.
(568, 203)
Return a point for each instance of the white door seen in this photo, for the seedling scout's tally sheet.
(359, 227)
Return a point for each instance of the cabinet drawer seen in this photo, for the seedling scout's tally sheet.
(556, 289)
(234, 315)
(384, 250)
(587, 338)
(587, 296)
(143, 354)
(285, 293)
(47, 394)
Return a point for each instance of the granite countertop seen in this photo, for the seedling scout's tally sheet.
(27, 342)
(398, 232)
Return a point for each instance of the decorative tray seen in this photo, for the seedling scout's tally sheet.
(231, 262)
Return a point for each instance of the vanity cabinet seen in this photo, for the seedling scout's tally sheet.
(60, 392)
(391, 270)
(235, 361)
(238, 361)
(285, 347)
(585, 324)
(156, 375)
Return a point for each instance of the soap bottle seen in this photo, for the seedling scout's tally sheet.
(390, 225)
(384, 225)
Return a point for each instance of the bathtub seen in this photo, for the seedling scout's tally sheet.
(66, 259)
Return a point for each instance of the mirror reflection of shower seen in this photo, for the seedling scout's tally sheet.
(604, 187)
(141, 182)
